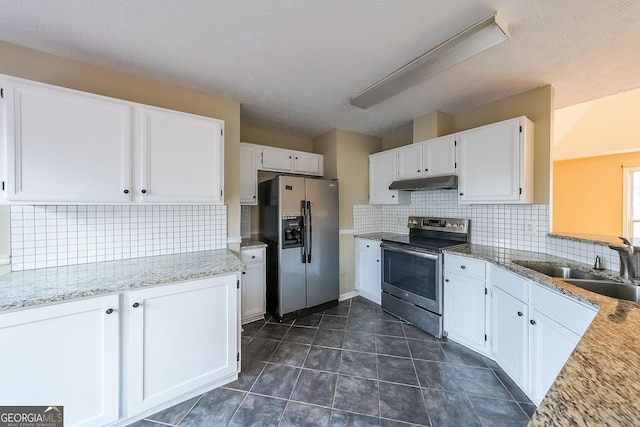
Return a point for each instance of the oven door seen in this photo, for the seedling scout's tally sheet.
(413, 275)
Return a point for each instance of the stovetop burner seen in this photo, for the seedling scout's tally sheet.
(433, 233)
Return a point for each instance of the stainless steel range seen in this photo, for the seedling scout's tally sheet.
(412, 284)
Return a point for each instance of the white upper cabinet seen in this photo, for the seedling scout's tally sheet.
(68, 146)
(409, 162)
(496, 163)
(434, 157)
(248, 174)
(277, 160)
(65, 145)
(382, 172)
(439, 156)
(181, 157)
(298, 162)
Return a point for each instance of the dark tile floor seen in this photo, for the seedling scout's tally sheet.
(354, 365)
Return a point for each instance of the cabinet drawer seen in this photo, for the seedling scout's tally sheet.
(251, 255)
(465, 266)
(569, 313)
(369, 246)
(514, 285)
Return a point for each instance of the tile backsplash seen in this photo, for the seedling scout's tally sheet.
(51, 236)
(491, 225)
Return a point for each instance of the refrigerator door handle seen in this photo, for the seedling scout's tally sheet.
(303, 228)
(310, 239)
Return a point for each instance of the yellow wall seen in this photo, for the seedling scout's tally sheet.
(34, 65)
(537, 105)
(275, 139)
(397, 139)
(346, 157)
(588, 194)
(431, 125)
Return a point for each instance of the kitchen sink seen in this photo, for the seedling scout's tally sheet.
(559, 271)
(609, 288)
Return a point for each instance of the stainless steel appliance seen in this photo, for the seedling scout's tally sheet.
(412, 284)
(299, 223)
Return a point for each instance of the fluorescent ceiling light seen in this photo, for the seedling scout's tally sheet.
(475, 39)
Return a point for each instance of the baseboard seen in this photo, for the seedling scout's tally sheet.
(348, 295)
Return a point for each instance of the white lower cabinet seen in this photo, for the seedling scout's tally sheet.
(253, 289)
(509, 343)
(368, 269)
(464, 301)
(64, 354)
(532, 330)
(180, 337)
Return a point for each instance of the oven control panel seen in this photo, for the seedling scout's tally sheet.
(454, 225)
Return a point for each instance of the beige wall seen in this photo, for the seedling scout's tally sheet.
(34, 65)
(346, 157)
(431, 125)
(537, 105)
(275, 139)
(397, 139)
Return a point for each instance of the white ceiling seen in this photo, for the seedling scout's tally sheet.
(294, 65)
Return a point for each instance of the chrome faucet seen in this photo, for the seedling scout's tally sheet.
(626, 252)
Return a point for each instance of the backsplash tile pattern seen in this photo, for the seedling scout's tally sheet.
(491, 225)
(52, 236)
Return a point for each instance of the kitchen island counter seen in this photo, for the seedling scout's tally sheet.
(600, 383)
(46, 285)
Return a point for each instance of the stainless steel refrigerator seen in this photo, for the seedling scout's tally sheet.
(299, 224)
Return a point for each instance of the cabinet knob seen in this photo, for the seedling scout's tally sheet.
(393, 195)
(296, 158)
(136, 304)
(109, 310)
(289, 156)
(533, 322)
(254, 197)
(418, 170)
(244, 272)
(446, 280)
(253, 257)
(367, 245)
(426, 170)
(143, 191)
(519, 314)
(461, 194)
(126, 191)
(377, 260)
(463, 267)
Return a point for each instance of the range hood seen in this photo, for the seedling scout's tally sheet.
(445, 182)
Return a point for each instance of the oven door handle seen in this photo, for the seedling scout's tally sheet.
(409, 251)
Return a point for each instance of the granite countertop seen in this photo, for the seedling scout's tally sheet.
(590, 238)
(249, 243)
(33, 287)
(600, 383)
(378, 236)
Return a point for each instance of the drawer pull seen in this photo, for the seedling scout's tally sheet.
(519, 314)
(533, 322)
(463, 267)
(109, 310)
(136, 304)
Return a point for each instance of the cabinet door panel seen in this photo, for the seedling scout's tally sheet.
(409, 160)
(490, 163)
(510, 337)
(307, 163)
(253, 292)
(277, 160)
(439, 156)
(182, 157)
(248, 176)
(382, 172)
(66, 146)
(368, 273)
(552, 344)
(181, 336)
(464, 310)
(64, 354)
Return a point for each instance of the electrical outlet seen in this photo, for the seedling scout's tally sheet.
(530, 228)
